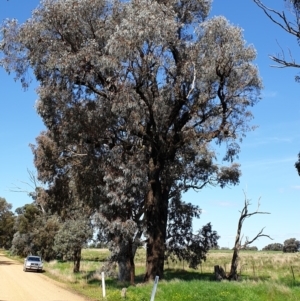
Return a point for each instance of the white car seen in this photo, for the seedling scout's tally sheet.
(33, 263)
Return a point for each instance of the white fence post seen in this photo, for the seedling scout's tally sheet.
(103, 285)
(154, 288)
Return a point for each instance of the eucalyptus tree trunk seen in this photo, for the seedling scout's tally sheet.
(76, 260)
(233, 274)
(156, 211)
(126, 265)
(238, 245)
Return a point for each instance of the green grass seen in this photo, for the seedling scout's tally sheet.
(266, 276)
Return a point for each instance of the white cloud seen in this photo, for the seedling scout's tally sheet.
(296, 187)
(225, 204)
(270, 140)
(270, 162)
(269, 94)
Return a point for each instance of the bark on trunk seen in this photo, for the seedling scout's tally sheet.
(126, 264)
(76, 260)
(219, 273)
(156, 204)
(233, 275)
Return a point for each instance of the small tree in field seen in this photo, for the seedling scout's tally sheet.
(239, 244)
(71, 238)
(291, 245)
(274, 247)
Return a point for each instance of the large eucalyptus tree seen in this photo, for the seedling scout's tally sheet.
(135, 95)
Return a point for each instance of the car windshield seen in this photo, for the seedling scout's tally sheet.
(34, 259)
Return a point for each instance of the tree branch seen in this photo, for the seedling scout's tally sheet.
(286, 26)
(260, 234)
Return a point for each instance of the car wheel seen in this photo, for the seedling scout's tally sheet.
(24, 269)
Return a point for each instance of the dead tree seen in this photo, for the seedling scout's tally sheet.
(239, 245)
(36, 189)
(292, 27)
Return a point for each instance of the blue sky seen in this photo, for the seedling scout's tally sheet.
(267, 155)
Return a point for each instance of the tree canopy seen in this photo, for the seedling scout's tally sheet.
(7, 219)
(273, 247)
(34, 232)
(71, 238)
(135, 97)
(291, 245)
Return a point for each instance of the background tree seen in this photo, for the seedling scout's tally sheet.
(44, 235)
(251, 248)
(7, 219)
(72, 237)
(273, 247)
(149, 84)
(182, 244)
(33, 188)
(25, 222)
(291, 245)
(35, 232)
(291, 26)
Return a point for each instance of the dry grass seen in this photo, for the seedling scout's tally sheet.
(265, 276)
(253, 266)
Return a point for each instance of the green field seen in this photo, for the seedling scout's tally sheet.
(265, 276)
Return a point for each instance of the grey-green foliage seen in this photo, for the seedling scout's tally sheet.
(34, 232)
(273, 247)
(291, 245)
(7, 219)
(182, 242)
(25, 223)
(71, 238)
(134, 96)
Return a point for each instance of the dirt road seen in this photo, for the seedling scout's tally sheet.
(16, 285)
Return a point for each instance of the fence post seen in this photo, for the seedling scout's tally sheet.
(293, 275)
(103, 285)
(154, 288)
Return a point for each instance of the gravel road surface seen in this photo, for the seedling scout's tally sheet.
(16, 285)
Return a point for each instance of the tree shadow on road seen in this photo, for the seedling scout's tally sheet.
(6, 262)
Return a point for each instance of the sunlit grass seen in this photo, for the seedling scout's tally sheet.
(266, 276)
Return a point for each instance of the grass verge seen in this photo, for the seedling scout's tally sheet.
(266, 276)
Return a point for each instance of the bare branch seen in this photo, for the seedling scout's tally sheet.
(283, 62)
(249, 242)
(233, 275)
(34, 190)
(287, 26)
